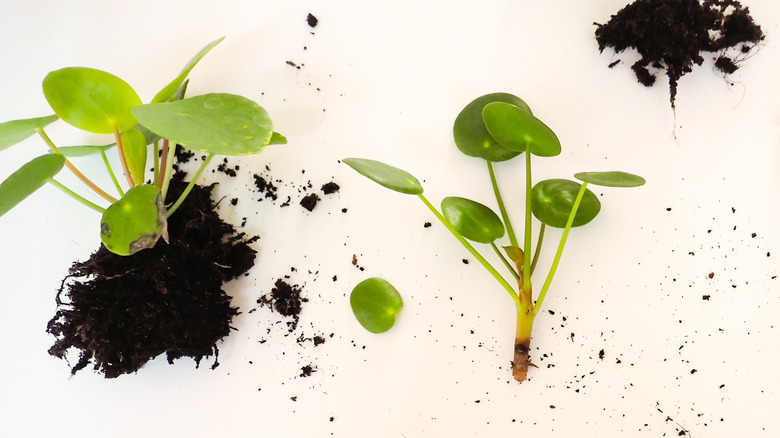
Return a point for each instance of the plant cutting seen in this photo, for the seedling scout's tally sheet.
(499, 127)
(125, 310)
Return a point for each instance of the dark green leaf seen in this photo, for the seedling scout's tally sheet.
(221, 124)
(14, 131)
(388, 176)
(134, 222)
(168, 92)
(29, 178)
(134, 146)
(518, 130)
(375, 302)
(611, 179)
(473, 220)
(90, 99)
(471, 136)
(552, 201)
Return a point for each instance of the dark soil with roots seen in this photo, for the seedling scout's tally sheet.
(673, 35)
(120, 312)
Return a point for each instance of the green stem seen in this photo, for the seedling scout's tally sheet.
(187, 190)
(156, 159)
(471, 249)
(509, 229)
(538, 249)
(73, 168)
(558, 254)
(526, 286)
(168, 154)
(76, 196)
(505, 261)
(123, 160)
(111, 172)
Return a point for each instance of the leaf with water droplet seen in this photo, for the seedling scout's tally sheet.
(386, 175)
(14, 131)
(169, 91)
(217, 123)
(375, 303)
(473, 220)
(90, 99)
(134, 222)
(29, 178)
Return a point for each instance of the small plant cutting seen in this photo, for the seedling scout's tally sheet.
(154, 286)
(499, 127)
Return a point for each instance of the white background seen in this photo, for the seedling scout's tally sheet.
(385, 80)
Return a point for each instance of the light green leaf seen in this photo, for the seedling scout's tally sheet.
(611, 179)
(518, 130)
(473, 220)
(90, 99)
(135, 150)
(375, 303)
(168, 92)
(134, 222)
(471, 136)
(514, 253)
(385, 175)
(84, 151)
(222, 124)
(552, 201)
(14, 131)
(29, 178)
(277, 138)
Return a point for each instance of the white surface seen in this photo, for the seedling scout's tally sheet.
(385, 80)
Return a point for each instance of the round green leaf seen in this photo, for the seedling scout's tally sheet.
(375, 302)
(473, 220)
(552, 201)
(221, 124)
(611, 179)
(388, 176)
(168, 92)
(90, 99)
(29, 178)
(134, 222)
(135, 151)
(471, 136)
(14, 131)
(518, 130)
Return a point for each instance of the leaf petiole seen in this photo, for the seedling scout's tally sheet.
(111, 172)
(187, 190)
(505, 261)
(123, 159)
(538, 250)
(558, 253)
(76, 196)
(507, 223)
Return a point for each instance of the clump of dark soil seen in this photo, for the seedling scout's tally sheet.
(120, 312)
(285, 299)
(673, 35)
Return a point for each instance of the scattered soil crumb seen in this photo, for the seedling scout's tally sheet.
(286, 300)
(312, 20)
(330, 188)
(307, 370)
(310, 201)
(672, 35)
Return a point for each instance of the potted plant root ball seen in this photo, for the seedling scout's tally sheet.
(155, 284)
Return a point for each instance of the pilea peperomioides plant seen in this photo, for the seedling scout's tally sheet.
(498, 127)
(101, 103)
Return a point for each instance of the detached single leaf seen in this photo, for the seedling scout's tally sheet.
(473, 220)
(375, 303)
(84, 151)
(14, 131)
(518, 130)
(471, 136)
(29, 178)
(170, 90)
(90, 99)
(134, 146)
(134, 222)
(222, 124)
(552, 201)
(611, 179)
(385, 175)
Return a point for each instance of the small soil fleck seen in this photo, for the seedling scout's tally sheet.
(672, 35)
(310, 201)
(119, 312)
(330, 188)
(312, 20)
(286, 300)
